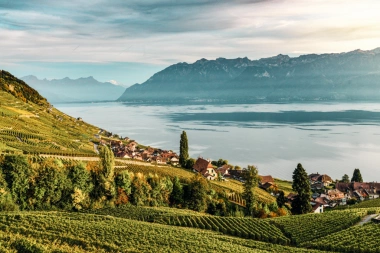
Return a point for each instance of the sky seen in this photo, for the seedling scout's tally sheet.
(128, 41)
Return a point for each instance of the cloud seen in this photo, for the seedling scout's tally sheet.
(169, 31)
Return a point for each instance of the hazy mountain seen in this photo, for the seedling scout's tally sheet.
(346, 76)
(74, 90)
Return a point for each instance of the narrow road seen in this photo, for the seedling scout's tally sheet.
(366, 219)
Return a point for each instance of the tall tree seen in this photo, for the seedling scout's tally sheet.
(176, 196)
(357, 176)
(183, 149)
(281, 199)
(345, 179)
(105, 177)
(301, 185)
(250, 175)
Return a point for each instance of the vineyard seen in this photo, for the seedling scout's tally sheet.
(76, 232)
(303, 228)
(35, 129)
(257, 229)
(364, 239)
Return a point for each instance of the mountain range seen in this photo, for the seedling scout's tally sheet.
(351, 76)
(74, 90)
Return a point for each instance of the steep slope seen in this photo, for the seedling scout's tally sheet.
(29, 124)
(20, 89)
(75, 90)
(346, 76)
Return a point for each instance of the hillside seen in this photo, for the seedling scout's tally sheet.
(74, 90)
(29, 124)
(29, 128)
(327, 77)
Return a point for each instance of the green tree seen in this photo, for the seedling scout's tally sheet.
(81, 185)
(190, 163)
(219, 163)
(17, 174)
(106, 173)
(50, 183)
(250, 176)
(183, 149)
(6, 201)
(357, 176)
(124, 181)
(345, 179)
(197, 193)
(301, 185)
(176, 196)
(281, 199)
(140, 190)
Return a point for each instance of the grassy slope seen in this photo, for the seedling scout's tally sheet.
(75, 232)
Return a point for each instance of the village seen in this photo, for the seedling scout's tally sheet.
(327, 193)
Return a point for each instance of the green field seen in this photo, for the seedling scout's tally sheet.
(76, 232)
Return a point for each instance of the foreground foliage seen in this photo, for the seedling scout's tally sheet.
(75, 232)
(364, 239)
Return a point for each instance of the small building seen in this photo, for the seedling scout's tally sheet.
(205, 168)
(316, 207)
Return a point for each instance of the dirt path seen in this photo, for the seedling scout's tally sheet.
(366, 219)
(94, 158)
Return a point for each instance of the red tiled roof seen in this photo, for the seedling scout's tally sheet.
(266, 179)
(202, 165)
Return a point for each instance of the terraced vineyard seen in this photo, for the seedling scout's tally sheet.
(76, 232)
(34, 129)
(303, 228)
(257, 229)
(354, 239)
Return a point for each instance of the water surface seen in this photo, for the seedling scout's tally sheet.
(331, 138)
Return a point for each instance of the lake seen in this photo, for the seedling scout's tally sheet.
(329, 138)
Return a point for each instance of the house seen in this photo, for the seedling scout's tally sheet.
(359, 190)
(335, 195)
(324, 180)
(236, 174)
(224, 170)
(316, 207)
(174, 161)
(122, 155)
(291, 197)
(266, 179)
(205, 168)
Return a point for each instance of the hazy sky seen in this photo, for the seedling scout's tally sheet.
(128, 41)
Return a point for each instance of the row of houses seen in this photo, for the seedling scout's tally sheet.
(342, 193)
(132, 151)
(205, 168)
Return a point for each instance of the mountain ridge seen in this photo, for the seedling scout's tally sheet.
(84, 89)
(336, 76)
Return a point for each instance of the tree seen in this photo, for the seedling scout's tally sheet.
(281, 199)
(250, 176)
(197, 193)
(219, 163)
(176, 196)
(190, 163)
(17, 173)
(106, 177)
(357, 176)
(183, 149)
(51, 184)
(345, 179)
(301, 185)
